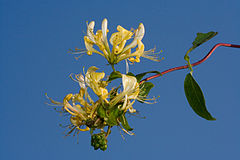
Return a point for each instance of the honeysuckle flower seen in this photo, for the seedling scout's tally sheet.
(150, 54)
(78, 113)
(120, 51)
(119, 39)
(130, 86)
(138, 53)
(89, 46)
(75, 110)
(100, 39)
(93, 80)
(139, 33)
(79, 78)
(130, 92)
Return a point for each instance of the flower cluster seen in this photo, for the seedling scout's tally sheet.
(111, 105)
(119, 50)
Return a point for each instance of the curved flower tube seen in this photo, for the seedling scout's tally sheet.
(75, 110)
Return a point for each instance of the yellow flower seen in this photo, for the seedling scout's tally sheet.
(75, 110)
(79, 114)
(139, 33)
(78, 107)
(119, 39)
(138, 53)
(100, 39)
(89, 46)
(93, 80)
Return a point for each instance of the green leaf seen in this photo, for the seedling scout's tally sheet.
(141, 75)
(200, 39)
(124, 122)
(114, 75)
(117, 74)
(195, 97)
(144, 90)
(203, 37)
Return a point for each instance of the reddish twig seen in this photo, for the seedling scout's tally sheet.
(194, 64)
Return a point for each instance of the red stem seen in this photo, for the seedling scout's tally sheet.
(194, 64)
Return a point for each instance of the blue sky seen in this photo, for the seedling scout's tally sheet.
(36, 35)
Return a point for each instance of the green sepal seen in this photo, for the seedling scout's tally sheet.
(195, 98)
(124, 122)
(114, 75)
(144, 90)
(141, 75)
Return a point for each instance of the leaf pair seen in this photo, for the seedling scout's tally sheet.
(192, 90)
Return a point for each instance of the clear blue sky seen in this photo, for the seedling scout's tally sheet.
(35, 37)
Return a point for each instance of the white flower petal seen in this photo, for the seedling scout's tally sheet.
(140, 32)
(90, 33)
(129, 84)
(127, 66)
(81, 81)
(104, 29)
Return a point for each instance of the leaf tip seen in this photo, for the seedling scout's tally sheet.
(212, 119)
